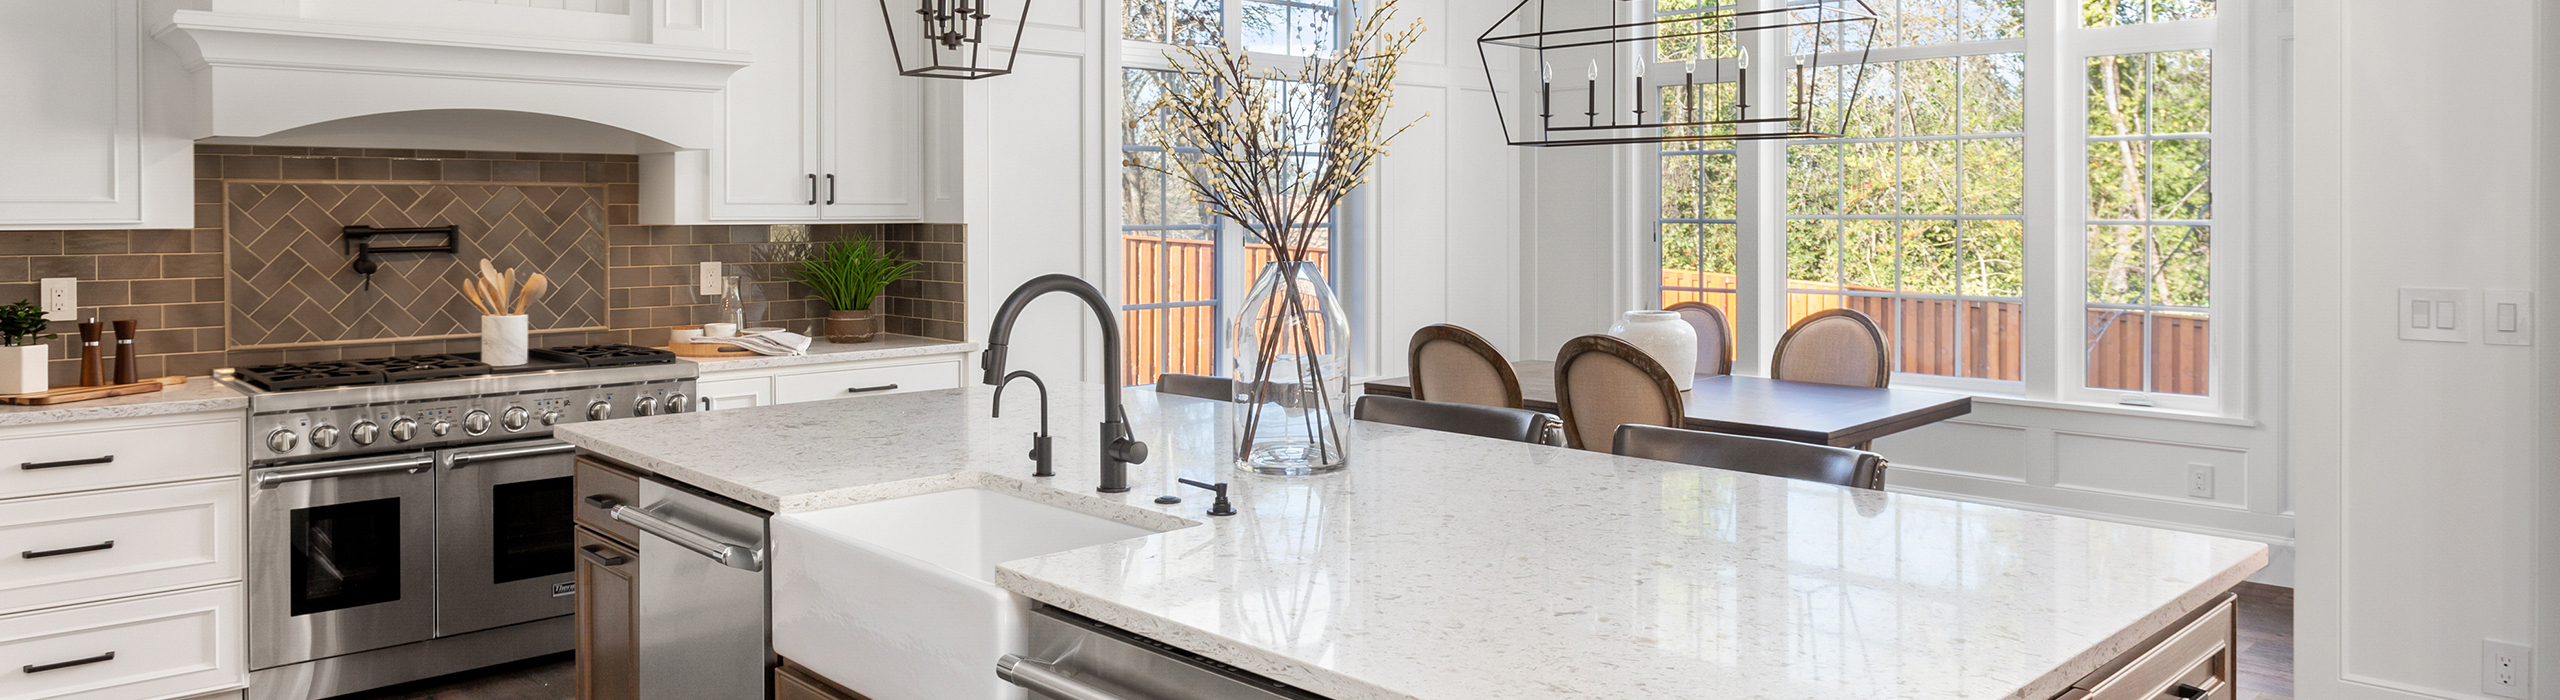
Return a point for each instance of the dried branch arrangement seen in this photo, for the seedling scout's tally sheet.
(1267, 159)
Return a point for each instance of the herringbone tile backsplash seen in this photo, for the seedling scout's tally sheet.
(266, 277)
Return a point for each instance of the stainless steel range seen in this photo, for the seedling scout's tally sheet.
(411, 517)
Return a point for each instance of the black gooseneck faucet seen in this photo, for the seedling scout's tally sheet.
(1119, 450)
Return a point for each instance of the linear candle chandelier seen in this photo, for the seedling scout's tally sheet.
(953, 39)
(1589, 39)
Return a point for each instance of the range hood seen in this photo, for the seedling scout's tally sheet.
(264, 67)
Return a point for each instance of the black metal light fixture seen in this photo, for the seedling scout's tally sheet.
(948, 38)
(1618, 55)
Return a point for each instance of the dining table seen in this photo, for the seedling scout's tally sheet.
(1822, 414)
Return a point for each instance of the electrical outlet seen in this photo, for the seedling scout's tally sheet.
(61, 297)
(2506, 670)
(710, 281)
(2199, 480)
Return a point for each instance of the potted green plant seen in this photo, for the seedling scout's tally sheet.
(22, 361)
(849, 275)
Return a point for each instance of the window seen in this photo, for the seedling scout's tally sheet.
(1919, 214)
(1179, 263)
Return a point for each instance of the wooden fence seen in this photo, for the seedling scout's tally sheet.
(1181, 339)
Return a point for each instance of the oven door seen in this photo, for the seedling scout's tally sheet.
(341, 557)
(504, 548)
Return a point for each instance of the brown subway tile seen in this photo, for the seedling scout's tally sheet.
(390, 153)
(621, 215)
(147, 316)
(209, 339)
(538, 156)
(106, 293)
(653, 296)
(364, 168)
(205, 240)
(93, 243)
(338, 152)
(251, 167)
(489, 155)
(252, 358)
(161, 291)
(13, 269)
(163, 342)
(208, 216)
(81, 266)
(466, 170)
(194, 364)
(627, 235)
(310, 168)
(670, 275)
(411, 169)
(160, 241)
(191, 265)
(426, 153)
(627, 277)
(514, 171)
(621, 193)
(208, 166)
(652, 255)
(208, 191)
(209, 289)
(555, 171)
(199, 315)
(280, 150)
(627, 318)
(30, 242)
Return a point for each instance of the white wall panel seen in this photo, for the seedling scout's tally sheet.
(1979, 449)
(2148, 468)
(1031, 206)
(1414, 236)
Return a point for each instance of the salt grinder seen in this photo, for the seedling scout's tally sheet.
(124, 352)
(92, 368)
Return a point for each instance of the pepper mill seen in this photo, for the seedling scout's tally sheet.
(92, 368)
(124, 352)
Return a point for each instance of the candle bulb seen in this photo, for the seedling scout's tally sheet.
(1689, 88)
(1801, 76)
(1546, 83)
(1591, 95)
(1742, 85)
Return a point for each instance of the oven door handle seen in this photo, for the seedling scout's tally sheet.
(412, 465)
(1045, 680)
(730, 555)
(462, 457)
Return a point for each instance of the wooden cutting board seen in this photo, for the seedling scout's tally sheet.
(85, 393)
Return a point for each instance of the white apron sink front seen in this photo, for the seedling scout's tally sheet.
(896, 599)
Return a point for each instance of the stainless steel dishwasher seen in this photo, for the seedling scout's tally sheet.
(1074, 658)
(705, 613)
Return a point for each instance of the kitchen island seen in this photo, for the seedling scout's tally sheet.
(1442, 566)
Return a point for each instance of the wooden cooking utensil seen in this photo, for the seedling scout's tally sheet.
(534, 288)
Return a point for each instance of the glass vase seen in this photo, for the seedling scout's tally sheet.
(1292, 367)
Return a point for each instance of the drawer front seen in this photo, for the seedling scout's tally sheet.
(597, 486)
(105, 544)
(732, 394)
(867, 381)
(109, 453)
(160, 646)
(2199, 657)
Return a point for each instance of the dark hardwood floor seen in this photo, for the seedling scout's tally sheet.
(2266, 663)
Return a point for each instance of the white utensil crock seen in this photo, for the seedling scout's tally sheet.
(1669, 340)
(22, 369)
(502, 340)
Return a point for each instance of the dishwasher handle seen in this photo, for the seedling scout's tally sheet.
(730, 555)
(1045, 679)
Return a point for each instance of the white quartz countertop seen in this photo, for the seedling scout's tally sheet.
(198, 395)
(1447, 567)
(884, 346)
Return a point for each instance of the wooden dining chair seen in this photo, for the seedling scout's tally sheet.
(1450, 364)
(1603, 382)
(1715, 337)
(1834, 346)
(1196, 386)
(1757, 455)
(1515, 424)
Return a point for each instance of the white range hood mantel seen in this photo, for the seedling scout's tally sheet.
(260, 74)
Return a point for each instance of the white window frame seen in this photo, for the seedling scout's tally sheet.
(2053, 355)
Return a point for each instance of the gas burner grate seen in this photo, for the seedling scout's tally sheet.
(307, 375)
(617, 355)
(416, 368)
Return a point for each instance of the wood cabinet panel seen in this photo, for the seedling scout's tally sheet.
(608, 619)
(596, 487)
(2195, 659)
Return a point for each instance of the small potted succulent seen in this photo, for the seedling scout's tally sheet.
(22, 349)
(850, 275)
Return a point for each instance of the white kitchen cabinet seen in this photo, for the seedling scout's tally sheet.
(916, 374)
(820, 128)
(105, 544)
(92, 116)
(735, 393)
(170, 645)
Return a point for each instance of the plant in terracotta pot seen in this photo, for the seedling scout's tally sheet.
(22, 350)
(849, 275)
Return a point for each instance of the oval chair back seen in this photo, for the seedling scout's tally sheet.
(1834, 346)
(1603, 382)
(1450, 364)
(1715, 337)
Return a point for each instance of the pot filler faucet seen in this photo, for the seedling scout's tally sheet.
(1118, 449)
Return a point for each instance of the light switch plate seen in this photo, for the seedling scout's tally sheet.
(2440, 315)
(710, 280)
(61, 298)
(2506, 317)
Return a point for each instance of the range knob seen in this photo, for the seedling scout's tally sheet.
(324, 437)
(441, 427)
(513, 419)
(679, 403)
(282, 440)
(599, 410)
(365, 433)
(476, 422)
(404, 430)
(550, 417)
(646, 406)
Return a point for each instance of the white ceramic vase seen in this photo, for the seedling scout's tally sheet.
(22, 369)
(502, 340)
(1669, 340)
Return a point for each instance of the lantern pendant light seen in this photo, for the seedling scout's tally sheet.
(949, 39)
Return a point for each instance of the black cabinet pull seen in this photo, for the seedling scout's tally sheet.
(602, 502)
(34, 554)
(32, 466)
(706, 403)
(40, 668)
(813, 188)
(869, 389)
(594, 553)
(831, 188)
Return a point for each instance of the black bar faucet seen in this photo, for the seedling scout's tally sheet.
(1119, 450)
